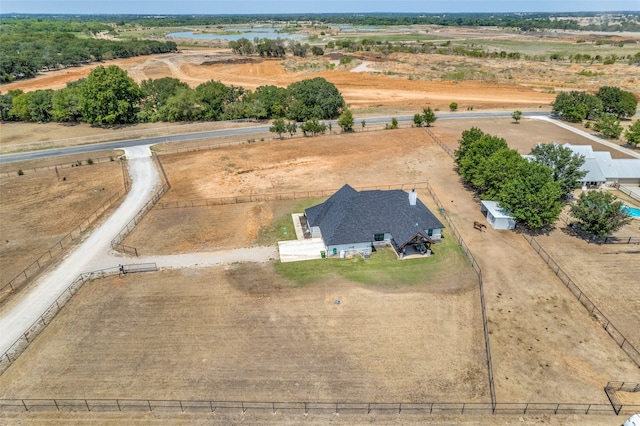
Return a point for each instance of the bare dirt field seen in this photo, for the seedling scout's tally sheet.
(545, 347)
(522, 136)
(361, 90)
(38, 208)
(250, 335)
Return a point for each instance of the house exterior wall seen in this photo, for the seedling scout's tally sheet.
(436, 234)
(315, 232)
(350, 249)
(626, 181)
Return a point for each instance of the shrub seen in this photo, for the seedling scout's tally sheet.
(20, 172)
(453, 106)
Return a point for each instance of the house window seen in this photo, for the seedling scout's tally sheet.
(430, 232)
(378, 237)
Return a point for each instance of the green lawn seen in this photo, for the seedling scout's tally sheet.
(383, 269)
(281, 229)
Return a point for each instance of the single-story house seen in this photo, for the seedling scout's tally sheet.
(497, 217)
(354, 222)
(601, 168)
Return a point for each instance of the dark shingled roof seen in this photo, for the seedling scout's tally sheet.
(349, 216)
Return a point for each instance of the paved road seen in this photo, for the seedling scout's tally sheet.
(84, 149)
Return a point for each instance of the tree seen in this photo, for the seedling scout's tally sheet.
(274, 99)
(599, 213)
(577, 106)
(608, 125)
(517, 115)
(453, 106)
(428, 116)
(392, 125)
(632, 134)
(181, 107)
(40, 104)
(345, 121)
(214, 96)
(6, 103)
(313, 126)
(499, 168)
(292, 128)
(20, 107)
(363, 123)
(279, 127)
(532, 197)
(155, 94)
(417, 120)
(109, 96)
(472, 156)
(66, 104)
(317, 51)
(314, 98)
(564, 163)
(617, 101)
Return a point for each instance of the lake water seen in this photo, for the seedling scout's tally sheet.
(249, 33)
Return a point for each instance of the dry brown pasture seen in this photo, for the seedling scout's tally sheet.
(38, 209)
(197, 333)
(241, 332)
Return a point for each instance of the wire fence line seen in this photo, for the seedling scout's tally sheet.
(117, 242)
(594, 311)
(318, 408)
(474, 264)
(277, 196)
(250, 140)
(156, 130)
(18, 347)
(58, 248)
(478, 270)
(439, 142)
(78, 163)
(612, 390)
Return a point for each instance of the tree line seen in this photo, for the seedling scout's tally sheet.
(624, 21)
(534, 190)
(273, 48)
(603, 111)
(109, 96)
(447, 48)
(531, 190)
(29, 46)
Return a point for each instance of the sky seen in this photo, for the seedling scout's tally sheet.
(213, 7)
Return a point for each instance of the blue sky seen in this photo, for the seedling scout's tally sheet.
(308, 6)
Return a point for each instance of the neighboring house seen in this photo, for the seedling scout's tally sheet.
(497, 217)
(601, 168)
(355, 222)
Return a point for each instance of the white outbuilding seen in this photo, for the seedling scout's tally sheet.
(497, 217)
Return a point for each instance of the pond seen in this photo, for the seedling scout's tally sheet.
(250, 33)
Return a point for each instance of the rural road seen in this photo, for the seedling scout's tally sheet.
(122, 144)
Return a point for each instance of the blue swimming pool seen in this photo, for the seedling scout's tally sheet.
(631, 211)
